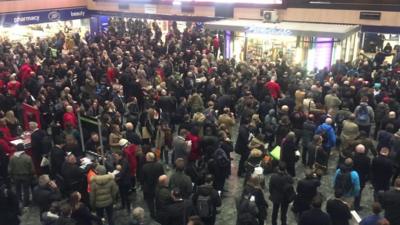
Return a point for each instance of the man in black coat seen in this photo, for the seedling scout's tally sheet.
(281, 191)
(381, 171)
(163, 199)
(338, 210)
(180, 210)
(73, 175)
(57, 157)
(390, 201)
(306, 191)
(207, 191)
(361, 164)
(315, 216)
(151, 171)
(45, 193)
(123, 179)
(241, 146)
(37, 137)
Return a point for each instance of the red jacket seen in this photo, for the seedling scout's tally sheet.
(13, 88)
(274, 89)
(195, 150)
(130, 154)
(69, 117)
(25, 73)
(6, 133)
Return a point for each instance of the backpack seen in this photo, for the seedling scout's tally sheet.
(343, 182)
(247, 210)
(362, 115)
(204, 207)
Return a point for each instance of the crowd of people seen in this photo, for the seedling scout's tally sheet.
(174, 116)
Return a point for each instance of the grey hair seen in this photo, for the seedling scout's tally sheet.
(138, 213)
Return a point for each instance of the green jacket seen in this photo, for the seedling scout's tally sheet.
(104, 191)
(21, 167)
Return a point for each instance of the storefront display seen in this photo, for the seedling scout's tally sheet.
(314, 45)
(27, 26)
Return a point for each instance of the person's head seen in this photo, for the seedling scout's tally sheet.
(94, 137)
(123, 143)
(33, 126)
(348, 162)
(129, 126)
(195, 220)
(328, 121)
(338, 193)
(150, 157)
(176, 194)
(282, 166)
(255, 153)
(138, 214)
(209, 179)
(254, 181)
(317, 139)
(71, 159)
(352, 117)
(384, 151)
(75, 198)
(69, 108)
(118, 155)
(70, 139)
(44, 180)
(291, 136)
(389, 128)
(100, 170)
(179, 164)
(59, 140)
(360, 148)
(163, 180)
(317, 202)
(376, 208)
(392, 115)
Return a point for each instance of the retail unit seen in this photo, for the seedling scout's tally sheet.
(313, 45)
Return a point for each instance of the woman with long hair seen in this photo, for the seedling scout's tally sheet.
(12, 122)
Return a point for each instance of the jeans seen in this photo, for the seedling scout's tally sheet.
(22, 187)
(275, 209)
(109, 211)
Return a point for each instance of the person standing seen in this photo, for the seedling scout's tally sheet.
(181, 147)
(328, 135)
(162, 198)
(130, 152)
(381, 171)
(288, 153)
(364, 115)
(281, 193)
(21, 171)
(151, 171)
(307, 137)
(362, 165)
(103, 193)
(37, 139)
(347, 181)
(375, 217)
(180, 180)
(274, 88)
(179, 211)
(390, 201)
(123, 179)
(338, 209)
(306, 191)
(9, 207)
(241, 146)
(206, 200)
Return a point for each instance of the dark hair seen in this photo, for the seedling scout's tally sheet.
(376, 208)
(209, 178)
(59, 140)
(179, 164)
(282, 166)
(317, 202)
(338, 193)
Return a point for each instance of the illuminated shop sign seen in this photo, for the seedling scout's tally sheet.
(269, 31)
(27, 18)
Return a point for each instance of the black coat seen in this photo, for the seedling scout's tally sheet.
(57, 158)
(179, 212)
(338, 211)
(208, 190)
(44, 196)
(37, 142)
(260, 200)
(314, 217)
(390, 202)
(123, 178)
(9, 208)
(362, 164)
(306, 191)
(83, 216)
(278, 184)
(151, 172)
(381, 172)
(242, 141)
(288, 152)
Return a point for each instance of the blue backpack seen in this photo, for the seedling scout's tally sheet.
(362, 115)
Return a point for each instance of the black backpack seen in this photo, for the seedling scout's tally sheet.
(343, 182)
(204, 206)
(221, 159)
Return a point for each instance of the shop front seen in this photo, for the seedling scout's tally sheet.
(25, 26)
(309, 44)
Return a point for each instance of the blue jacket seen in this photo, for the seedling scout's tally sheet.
(330, 132)
(356, 183)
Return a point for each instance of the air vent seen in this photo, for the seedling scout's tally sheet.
(370, 15)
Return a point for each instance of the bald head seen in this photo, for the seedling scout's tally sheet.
(360, 149)
(328, 121)
(163, 180)
(392, 114)
(129, 126)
